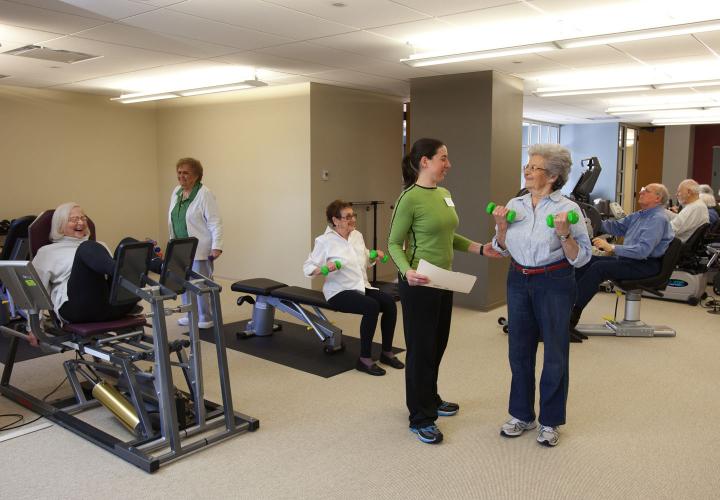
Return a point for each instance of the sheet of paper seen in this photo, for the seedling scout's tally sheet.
(446, 280)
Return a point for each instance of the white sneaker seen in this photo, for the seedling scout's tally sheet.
(515, 427)
(183, 321)
(548, 436)
(205, 324)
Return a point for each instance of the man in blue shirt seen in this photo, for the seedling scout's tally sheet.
(647, 233)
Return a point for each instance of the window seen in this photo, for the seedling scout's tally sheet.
(538, 133)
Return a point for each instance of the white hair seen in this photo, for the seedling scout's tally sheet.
(692, 185)
(708, 199)
(557, 161)
(705, 188)
(60, 220)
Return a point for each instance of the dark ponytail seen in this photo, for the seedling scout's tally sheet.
(411, 162)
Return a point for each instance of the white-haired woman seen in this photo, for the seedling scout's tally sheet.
(541, 290)
(77, 271)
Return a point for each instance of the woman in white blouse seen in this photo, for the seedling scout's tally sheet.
(347, 288)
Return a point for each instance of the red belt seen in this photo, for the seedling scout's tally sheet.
(539, 270)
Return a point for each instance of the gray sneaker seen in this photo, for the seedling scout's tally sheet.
(548, 436)
(515, 427)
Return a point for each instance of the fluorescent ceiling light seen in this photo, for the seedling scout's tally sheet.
(684, 85)
(686, 121)
(142, 97)
(461, 55)
(642, 109)
(247, 84)
(129, 99)
(549, 92)
(629, 36)
(432, 58)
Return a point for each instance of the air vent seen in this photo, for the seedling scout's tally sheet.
(47, 54)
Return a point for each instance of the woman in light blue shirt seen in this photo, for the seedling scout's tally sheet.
(540, 289)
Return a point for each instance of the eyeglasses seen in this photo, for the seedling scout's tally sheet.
(533, 168)
(76, 219)
(349, 217)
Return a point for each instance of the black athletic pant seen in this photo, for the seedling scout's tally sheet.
(370, 306)
(89, 286)
(426, 317)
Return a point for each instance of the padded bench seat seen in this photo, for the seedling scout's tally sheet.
(89, 329)
(256, 286)
(303, 296)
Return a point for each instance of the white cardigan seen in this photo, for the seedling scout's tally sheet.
(351, 253)
(203, 221)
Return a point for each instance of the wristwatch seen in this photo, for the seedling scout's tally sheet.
(564, 237)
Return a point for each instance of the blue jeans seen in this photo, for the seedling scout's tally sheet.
(540, 305)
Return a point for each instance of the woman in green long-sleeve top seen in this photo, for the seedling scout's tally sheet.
(426, 220)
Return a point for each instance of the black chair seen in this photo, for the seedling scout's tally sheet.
(631, 325)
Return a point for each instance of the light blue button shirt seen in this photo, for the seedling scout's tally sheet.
(529, 240)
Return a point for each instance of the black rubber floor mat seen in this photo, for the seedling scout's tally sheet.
(296, 347)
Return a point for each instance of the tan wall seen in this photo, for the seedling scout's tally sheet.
(357, 137)
(63, 146)
(255, 150)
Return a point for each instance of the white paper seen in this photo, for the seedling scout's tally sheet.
(446, 280)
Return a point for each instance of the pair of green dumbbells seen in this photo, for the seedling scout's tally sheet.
(572, 215)
(325, 270)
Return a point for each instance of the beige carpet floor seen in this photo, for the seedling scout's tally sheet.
(641, 424)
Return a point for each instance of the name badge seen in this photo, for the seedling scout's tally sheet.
(449, 202)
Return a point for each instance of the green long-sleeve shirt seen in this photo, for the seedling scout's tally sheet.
(426, 219)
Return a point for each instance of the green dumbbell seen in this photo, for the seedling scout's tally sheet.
(374, 255)
(510, 217)
(325, 270)
(572, 217)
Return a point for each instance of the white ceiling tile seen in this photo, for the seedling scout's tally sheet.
(362, 80)
(711, 39)
(393, 70)
(25, 16)
(587, 56)
(304, 51)
(135, 37)
(403, 32)
(115, 60)
(368, 44)
(664, 48)
(275, 63)
(22, 36)
(264, 17)
(98, 9)
(513, 12)
(449, 7)
(185, 25)
(360, 14)
(523, 64)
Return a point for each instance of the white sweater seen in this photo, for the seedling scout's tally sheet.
(54, 263)
(203, 221)
(692, 216)
(351, 253)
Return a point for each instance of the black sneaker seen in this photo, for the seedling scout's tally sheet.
(373, 369)
(428, 434)
(447, 409)
(394, 362)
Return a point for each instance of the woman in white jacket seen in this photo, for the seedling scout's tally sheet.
(194, 212)
(347, 288)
